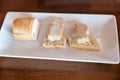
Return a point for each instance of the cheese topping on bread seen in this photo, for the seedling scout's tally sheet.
(82, 40)
(55, 44)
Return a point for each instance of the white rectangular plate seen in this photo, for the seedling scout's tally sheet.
(101, 26)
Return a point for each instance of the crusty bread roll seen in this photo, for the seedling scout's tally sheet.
(92, 44)
(82, 32)
(56, 29)
(25, 28)
(55, 44)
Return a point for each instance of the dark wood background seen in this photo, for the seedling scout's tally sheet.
(31, 69)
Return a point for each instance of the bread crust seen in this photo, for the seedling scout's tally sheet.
(19, 25)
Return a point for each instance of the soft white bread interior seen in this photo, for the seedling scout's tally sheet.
(92, 44)
(22, 36)
(55, 44)
(56, 29)
(82, 32)
(28, 27)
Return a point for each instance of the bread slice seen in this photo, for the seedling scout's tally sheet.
(28, 27)
(93, 44)
(82, 32)
(56, 29)
(55, 44)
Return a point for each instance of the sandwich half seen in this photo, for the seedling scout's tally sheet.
(56, 29)
(55, 38)
(83, 40)
(25, 28)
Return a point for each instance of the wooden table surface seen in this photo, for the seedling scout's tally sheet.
(31, 69)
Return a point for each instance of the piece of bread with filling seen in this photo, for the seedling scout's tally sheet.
(83, 40)
(55, 44)
(55, 37)
(55, 31)
(92, 44)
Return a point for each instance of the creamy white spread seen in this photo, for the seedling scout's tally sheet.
(53, 38)
(82, 40)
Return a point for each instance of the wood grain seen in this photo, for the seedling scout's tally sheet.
(31, 69)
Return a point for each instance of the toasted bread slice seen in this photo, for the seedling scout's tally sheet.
(82, 32)
(93, 44)
(55, 44)
(25, 28)
(56, 29)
